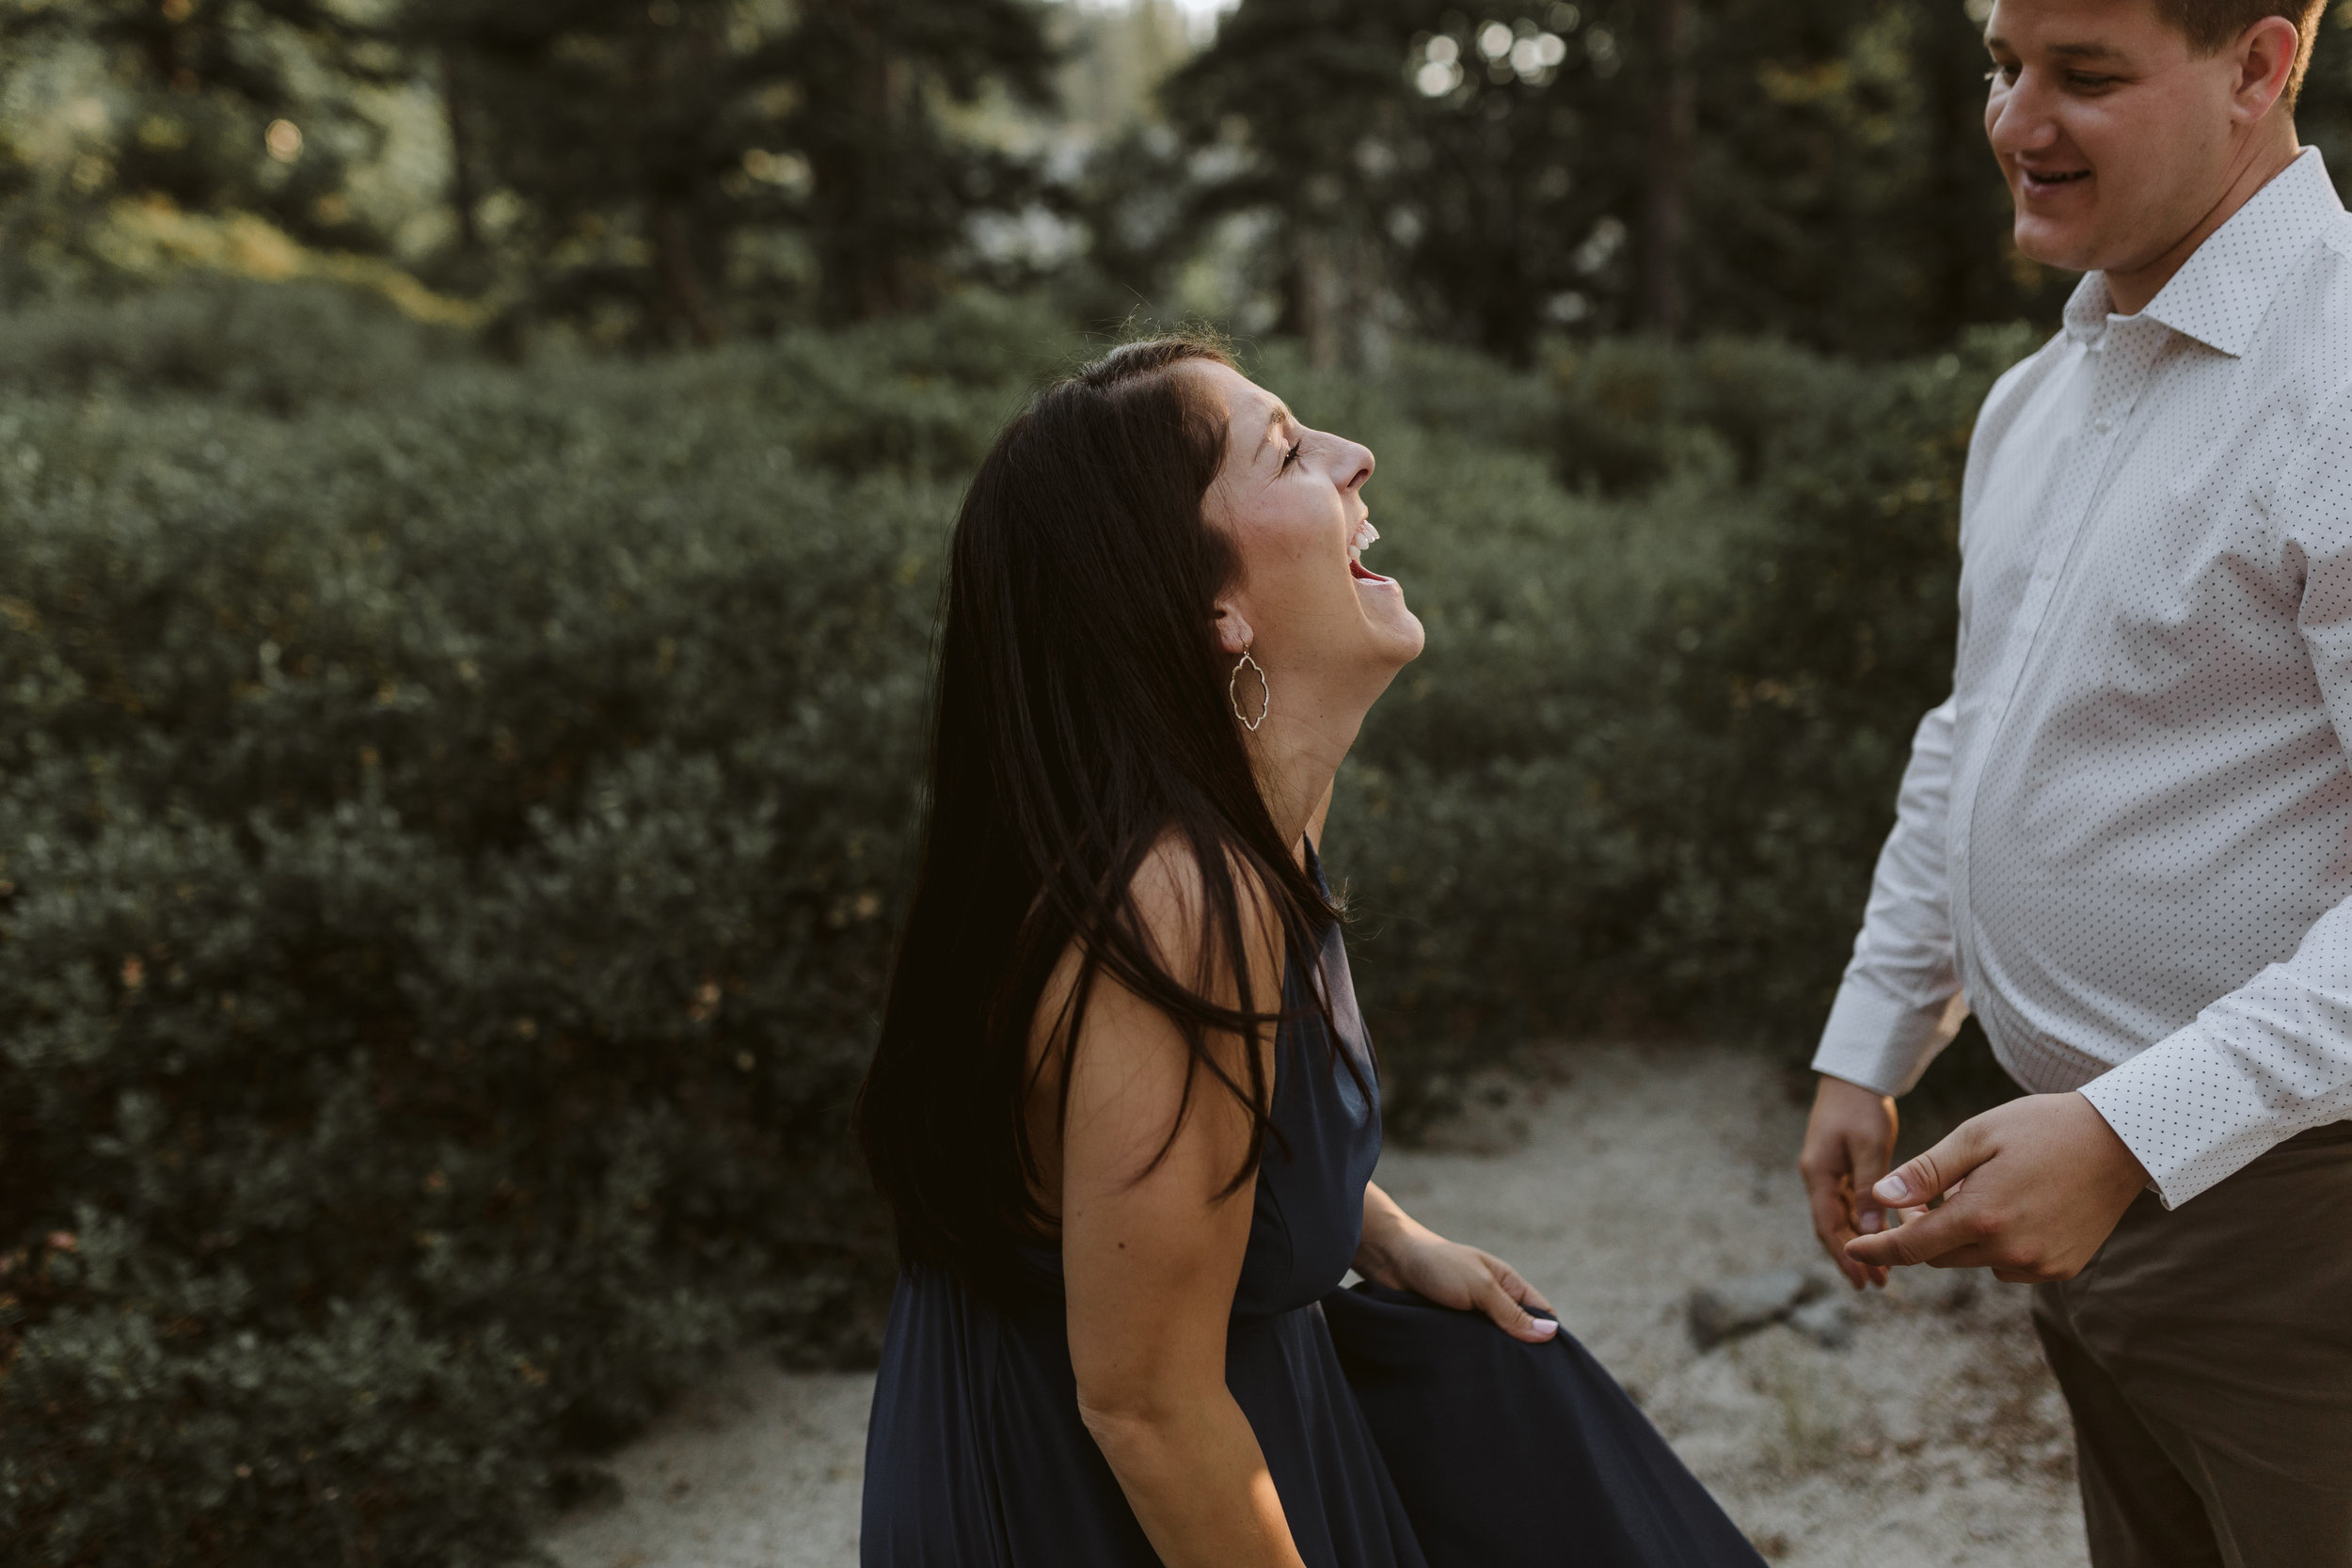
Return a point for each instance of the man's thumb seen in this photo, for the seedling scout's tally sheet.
(1923, 1179)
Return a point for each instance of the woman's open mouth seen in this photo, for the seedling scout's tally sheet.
(1365, 534)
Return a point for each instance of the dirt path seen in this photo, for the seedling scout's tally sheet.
(1619, 1180)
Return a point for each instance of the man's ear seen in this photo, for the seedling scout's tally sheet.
(2266, 53)
(1233, 632)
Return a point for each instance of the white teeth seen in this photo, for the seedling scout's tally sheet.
(1365, 534)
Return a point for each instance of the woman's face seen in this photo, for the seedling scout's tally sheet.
(1291, 499)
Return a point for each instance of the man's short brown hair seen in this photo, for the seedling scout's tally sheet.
(2213, 26)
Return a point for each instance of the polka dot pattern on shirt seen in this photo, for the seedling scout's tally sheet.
(2128, 836)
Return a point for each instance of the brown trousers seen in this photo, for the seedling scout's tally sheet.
(2206, 1355)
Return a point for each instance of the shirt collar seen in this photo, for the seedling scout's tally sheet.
(2223, 290)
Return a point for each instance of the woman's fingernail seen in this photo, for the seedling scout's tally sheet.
(1546, 1328)
(1893, 1189)
(1871, 1222)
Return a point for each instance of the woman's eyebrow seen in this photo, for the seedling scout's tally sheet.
(1273, 421)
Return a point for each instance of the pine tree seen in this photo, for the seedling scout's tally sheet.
(1486, 173)
(680, 167)
(606, 129)
(890, 192)
(1670, 165)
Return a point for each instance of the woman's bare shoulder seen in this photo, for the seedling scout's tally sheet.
(1172, 898)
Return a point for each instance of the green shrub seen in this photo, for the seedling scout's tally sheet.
(451, 843)
(1642, 773)
(278, 347)
(452, 820)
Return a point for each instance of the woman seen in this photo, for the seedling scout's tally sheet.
(1124, 1108)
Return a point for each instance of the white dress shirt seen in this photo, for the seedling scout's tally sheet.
(2127, 837)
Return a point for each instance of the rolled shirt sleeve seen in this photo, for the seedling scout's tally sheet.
(1897, 1005)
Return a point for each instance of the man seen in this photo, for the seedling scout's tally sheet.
(2127, 837)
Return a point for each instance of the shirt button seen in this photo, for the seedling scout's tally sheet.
(2103, 426)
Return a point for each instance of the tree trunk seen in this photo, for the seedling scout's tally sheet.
(681, 290)
(1673, 127)
(1951, 56)
(1315, 301)
(1369, 349)
(460, 115)
(862, 104)
(161, 47)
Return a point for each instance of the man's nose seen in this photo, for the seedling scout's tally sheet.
(2019, 120)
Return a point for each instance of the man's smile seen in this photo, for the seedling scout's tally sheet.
(2037, 180)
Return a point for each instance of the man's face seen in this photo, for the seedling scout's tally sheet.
(2116, 137)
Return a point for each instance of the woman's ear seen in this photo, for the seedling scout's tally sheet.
(1233, 633)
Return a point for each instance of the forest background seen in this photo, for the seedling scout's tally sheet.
(472, 479)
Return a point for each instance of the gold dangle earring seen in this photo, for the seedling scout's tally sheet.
(1265, 692)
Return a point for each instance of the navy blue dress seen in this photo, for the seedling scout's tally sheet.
(1398, 1434)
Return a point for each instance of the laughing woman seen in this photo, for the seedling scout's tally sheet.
(1124, 1110)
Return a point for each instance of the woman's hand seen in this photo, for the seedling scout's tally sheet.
(1400, 1252)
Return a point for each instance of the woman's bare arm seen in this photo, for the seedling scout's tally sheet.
(1151, 1258)
(1398, 1250)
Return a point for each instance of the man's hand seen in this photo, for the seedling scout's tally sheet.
(1848, 1146)
(2031, 1189)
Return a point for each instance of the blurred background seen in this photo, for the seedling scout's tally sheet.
(472, 482)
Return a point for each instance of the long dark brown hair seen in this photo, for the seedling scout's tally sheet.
(1080, 719)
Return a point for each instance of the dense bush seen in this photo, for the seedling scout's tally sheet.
(277, 349)
(452, 844)
(1640, 774)
(453, 817)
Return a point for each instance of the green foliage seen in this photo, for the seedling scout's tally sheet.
(1642, 773)
(451, 846)
(681, 170)
(193, 90)
(647, 174)
(278, 350)
(1817, 172)
(452, 819)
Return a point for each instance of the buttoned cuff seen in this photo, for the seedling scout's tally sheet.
(2186, 1112)
(1879, 1041)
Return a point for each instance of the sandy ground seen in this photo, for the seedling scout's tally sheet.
(1618, 1179)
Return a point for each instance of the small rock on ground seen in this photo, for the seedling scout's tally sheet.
(1731, 1307)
